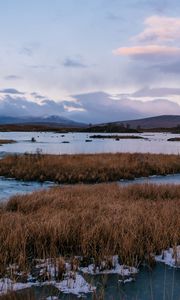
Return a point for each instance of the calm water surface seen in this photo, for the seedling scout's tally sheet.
(53, 143)
(11, 187)
(169, 179)
(163, 283)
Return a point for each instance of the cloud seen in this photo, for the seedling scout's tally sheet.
(156, 92)
(91, 107)
(13, 105)
(73, 63)
(114, 17)
(173, 68)
(43, 67)
(159, 29)
(144, 52)
(158, 41)
(12, 77)
(11, 91)
(35, 105)
(102, 107)
(28, 51)
(38, 96)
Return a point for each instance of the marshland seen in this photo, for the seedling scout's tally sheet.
(90, 150)
(87, 224)
(80, 233)
(92, 168)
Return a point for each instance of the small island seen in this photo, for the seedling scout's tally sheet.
(117, 137)
(175, 139)
(3, 142)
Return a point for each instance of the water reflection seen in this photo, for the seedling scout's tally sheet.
(161, 283)
(10, 187)
(53, 143)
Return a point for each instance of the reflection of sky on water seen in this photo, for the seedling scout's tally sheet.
(169, 179)
(10, 187)
(160, 283)
(52, 143)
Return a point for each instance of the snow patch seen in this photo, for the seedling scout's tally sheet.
(170, 257)
(122, 270)
(76, 286)
(71, 283)
(7, 285)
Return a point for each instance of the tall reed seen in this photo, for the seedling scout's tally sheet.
(91, 221)
(89, 168)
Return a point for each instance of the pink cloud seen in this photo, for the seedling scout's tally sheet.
(154, 41)
(149, 50)
(159, 29)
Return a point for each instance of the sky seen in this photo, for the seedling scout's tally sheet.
(90, 60)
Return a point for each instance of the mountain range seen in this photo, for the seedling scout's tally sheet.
(46, 120)
(163, 121)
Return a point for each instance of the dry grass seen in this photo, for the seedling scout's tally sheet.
(92, 221)
(92, 168)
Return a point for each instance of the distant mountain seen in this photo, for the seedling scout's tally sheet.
(45, 120)
(165, 121)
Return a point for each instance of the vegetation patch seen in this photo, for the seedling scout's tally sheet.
(88, 168)
(90, 221)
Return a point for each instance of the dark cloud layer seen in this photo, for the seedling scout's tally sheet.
(11, 91)
(156, 92)
(73, 63)
(92, 107)
(12, 77)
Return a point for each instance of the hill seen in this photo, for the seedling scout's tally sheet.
(164, 121)
(51, 121)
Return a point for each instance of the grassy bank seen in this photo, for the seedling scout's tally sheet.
(92, 168)
(90, 220)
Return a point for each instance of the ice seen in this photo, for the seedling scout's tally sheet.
(122, 270)
(170, 257)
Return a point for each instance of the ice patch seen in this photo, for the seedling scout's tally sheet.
(71, 282)
(170, 257)
(122, 270)
(76, 286)
(126, 280)
(7, 285)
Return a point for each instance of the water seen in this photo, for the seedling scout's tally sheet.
(52, 143)
(161, 283)
(11, 187)
(168, 179)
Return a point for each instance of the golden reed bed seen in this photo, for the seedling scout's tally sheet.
(88, 168)
(90, 220)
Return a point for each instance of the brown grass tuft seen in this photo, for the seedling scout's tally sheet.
(90, 168)
(92, 221)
